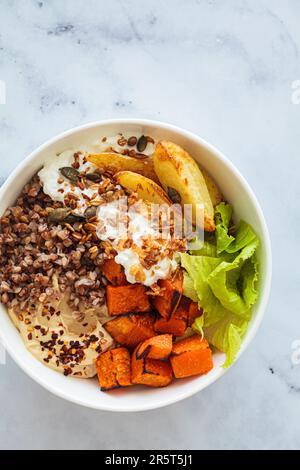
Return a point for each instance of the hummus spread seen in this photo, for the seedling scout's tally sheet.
(64, 340)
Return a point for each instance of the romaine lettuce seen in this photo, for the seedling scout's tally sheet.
(198, 325)
(222, 276)
(199, 268)
(230, 283)
(227, 336)
(222, 219)
(243, 237)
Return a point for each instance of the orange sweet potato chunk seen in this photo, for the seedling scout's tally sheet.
(191, 356)
(131, 298)
(113, 369)
(121, 360)
(150, 372)
(131, 330)
(158, 347)
(167, 303)
(177, 323)
(114, 272)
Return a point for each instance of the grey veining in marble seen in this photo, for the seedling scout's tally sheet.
(223, 70)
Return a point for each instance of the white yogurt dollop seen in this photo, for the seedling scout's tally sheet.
(140, 229)
(161, 270)
(57, 186)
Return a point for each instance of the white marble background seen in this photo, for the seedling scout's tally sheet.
(223, 70)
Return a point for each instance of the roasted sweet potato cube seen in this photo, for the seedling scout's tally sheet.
(177, 323)
(131, 298)
(113, 369)
(174, 326)
(114, 272)
(150, 372)
(131, 330)
(184, 316)
(121, 361)
(158, 347)
(167, 303)
(191, 356)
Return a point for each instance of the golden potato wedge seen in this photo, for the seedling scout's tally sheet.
(177, 171)
(117, 162)
(215, 194)
(146, 189)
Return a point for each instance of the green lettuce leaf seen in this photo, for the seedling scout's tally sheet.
(198, 326)
(233, 284)
(227, 336)
(205, 248)
(188, 288)
(231, 244)
(243, 237)
(221, 274)
(222, 219)
(199, 268)
(249, 275)
(223, 214)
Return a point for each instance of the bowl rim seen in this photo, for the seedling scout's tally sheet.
(194, 387)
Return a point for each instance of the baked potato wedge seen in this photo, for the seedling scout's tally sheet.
(179, 174)
(215, 194)
(146, 188)
(117, 162)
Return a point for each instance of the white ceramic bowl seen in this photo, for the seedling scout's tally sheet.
(236, 191)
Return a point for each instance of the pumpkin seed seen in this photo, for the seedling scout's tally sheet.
(90, 212)
(70, 173)
(93, 177)
(174, 195)
(73, 218)
(59, 215)
(142, 143)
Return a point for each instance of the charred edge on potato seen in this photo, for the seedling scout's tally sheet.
(149, 372)
(144, 353)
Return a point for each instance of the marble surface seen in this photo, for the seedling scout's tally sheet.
(221, 69)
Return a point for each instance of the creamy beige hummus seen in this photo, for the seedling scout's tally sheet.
(65, 340)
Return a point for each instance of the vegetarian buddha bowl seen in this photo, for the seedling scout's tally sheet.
(135, 265)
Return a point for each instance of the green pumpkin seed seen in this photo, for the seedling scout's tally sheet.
(73, 218)
(142, 143)
(70, 173)
(59, 215)
(90, 212)
(64, 215)
(174, 195)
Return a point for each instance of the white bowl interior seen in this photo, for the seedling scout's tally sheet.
(236, 191)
